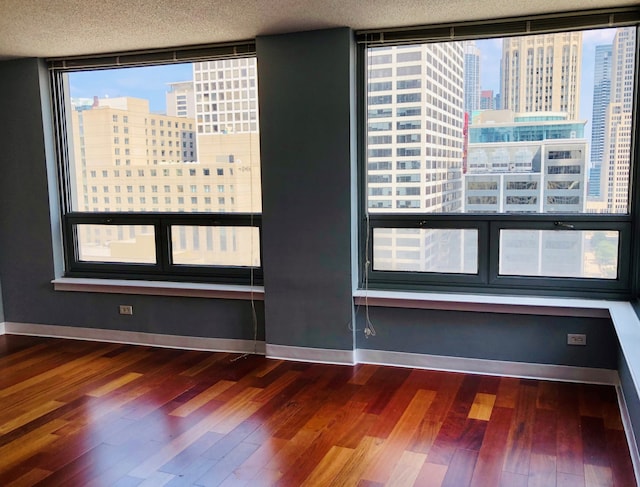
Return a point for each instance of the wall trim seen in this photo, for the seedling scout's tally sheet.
(2, 329)
(564, 373)
(628, 431)
(208, 344)
(308, 354)
(535, 305)
(159, 288)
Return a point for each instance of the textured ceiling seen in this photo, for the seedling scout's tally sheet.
(54, 28)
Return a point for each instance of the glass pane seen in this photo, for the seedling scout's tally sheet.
(219, 246)
(182, 137)
(426, 250)
(559, 253)
(529, 124)
(117, 243)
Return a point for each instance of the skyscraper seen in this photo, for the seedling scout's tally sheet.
(414, 128)
(471, 77)
(487, 100)
(618, 123)
(542, 73)
(601, 98)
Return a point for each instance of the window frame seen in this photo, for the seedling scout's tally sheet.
(164, 268)
(488, 280)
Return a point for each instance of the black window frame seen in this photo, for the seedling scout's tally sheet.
(488, 225)
(164, 268)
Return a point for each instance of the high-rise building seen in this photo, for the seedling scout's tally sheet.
(498, 101)
(542, 73)
(487, 100)
(533, 163)
(181, 99)
(601, 98)
(614, 185)
(226, 98)
(471, 77)
(415, 128)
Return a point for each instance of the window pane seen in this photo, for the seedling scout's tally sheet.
(426, 250)
(529, 124)
(117, 243)
(180, 134)
(215, 246)
(559, 253)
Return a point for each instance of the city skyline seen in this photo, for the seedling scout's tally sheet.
(152, 82)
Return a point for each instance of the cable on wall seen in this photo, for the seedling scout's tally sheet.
(254, 315)
(369, 329)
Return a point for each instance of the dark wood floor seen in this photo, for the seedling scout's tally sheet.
(76, 413)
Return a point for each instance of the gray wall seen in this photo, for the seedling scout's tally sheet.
(1, 306)
(306, 100)
(495, 336)
(29, 230)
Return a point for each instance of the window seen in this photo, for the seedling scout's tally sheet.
(519, 195)
(138, 241)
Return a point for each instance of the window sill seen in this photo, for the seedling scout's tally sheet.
(159, 288)
(486, 303)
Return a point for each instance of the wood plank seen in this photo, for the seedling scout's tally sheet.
(32, 477)
(521, 431)
(569, 480)
(594, 441)
(482, 406)
(329, 466)
(488, 470)
(400, 436)
(597, 476)
(510, 479)
(431, 475)
(353, 470)
(619, 457)
(186, 408)
(542, 470)
(407, 469)
(508, 391)
(114, 384)
(569, 435)
(460, 469)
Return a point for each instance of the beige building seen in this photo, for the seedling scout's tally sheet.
(127, 159)
(616, 157)
(181, 99)
(542, 73)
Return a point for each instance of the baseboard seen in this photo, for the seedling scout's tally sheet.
(489, 367)
(320, 355)
(308, 354)
(137, 338)
(628, 430)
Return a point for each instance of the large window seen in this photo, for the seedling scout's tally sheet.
(500, 163)
(160, 167)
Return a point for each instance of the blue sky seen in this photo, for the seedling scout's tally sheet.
(148, 82)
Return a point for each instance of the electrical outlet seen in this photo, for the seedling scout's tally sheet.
(576, 339)
(126, 309)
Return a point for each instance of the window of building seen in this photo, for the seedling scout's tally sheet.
(526, 192)
(102, 243)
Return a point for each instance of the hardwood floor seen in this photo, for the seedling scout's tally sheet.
(79, 413)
